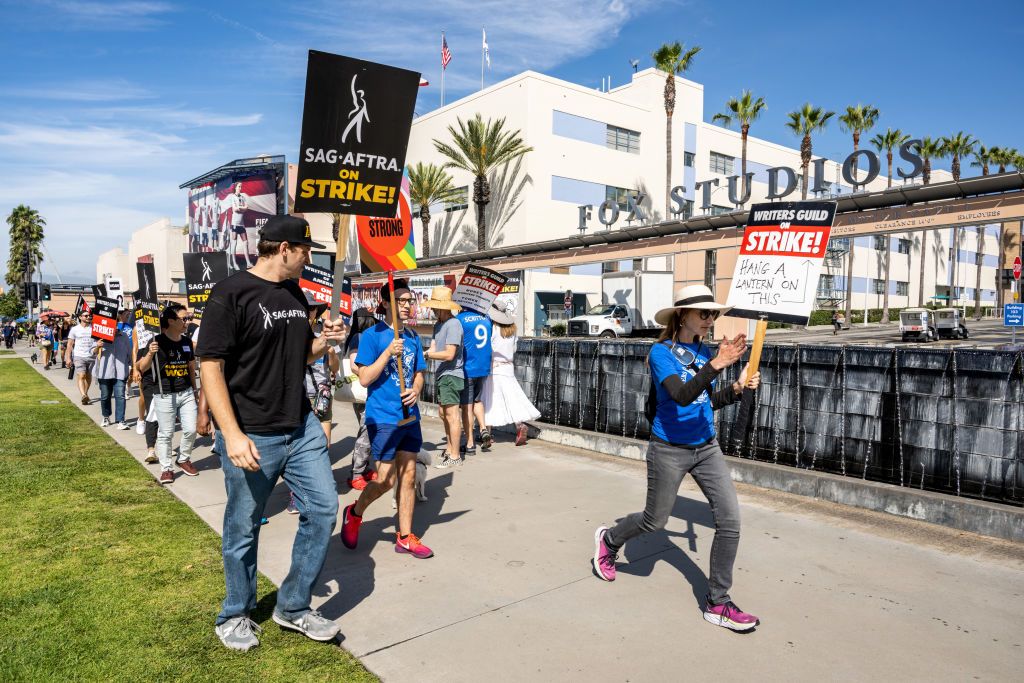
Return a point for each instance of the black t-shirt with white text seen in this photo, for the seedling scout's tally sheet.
(260, 329)
(171, 362)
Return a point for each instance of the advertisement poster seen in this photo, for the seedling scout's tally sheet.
(104, 319)
(387, 243)
(356, 119)
(783, 247)
(366, 295)
(226, 216)
(421, 287)
(478, 288)
(202, 272)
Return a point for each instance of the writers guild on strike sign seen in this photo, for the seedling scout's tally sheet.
(478, 288)
(781, 253)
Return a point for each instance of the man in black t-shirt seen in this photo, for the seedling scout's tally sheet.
(175, 396)
(254, 347)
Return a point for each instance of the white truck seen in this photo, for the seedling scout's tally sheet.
(629, 301)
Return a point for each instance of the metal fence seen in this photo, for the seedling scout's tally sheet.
(946, 420)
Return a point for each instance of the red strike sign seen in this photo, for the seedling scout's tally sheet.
(786, 240)
(1016, 268)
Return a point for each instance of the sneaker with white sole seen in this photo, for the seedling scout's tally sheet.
(239, 633)
(151, 458)
(140, 427)
(105, 423)
(122, 425)
(311, 624)
(447, 461)
(604, 557)
(728, 615)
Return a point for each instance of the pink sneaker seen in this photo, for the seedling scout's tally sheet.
(604, 559)
(730, 616)
(411, 544)
(350, 527)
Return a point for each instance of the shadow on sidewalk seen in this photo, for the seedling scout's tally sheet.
(353, 571)
(644, 552)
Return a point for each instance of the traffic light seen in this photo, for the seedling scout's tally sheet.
(26, 291)
(26, 260)
(47, 295)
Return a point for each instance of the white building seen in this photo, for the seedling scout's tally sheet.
(589, 146)
(160, 241)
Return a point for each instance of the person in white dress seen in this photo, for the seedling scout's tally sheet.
(504, 400)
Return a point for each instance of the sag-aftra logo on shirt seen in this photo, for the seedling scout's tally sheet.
(270, 316)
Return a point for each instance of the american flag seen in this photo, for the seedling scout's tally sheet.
(446, 54)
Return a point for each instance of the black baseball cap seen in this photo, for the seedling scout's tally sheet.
(290, 229)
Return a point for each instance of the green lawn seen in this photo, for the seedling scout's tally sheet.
(106, 576)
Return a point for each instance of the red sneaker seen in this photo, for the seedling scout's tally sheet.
(372, 476)
(358, 482)
(188, 468)
(350, 527)
(411, 545)
(166, 477)
(521, 434)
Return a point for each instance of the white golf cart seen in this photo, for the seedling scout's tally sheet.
(918, 324)
(949, 323)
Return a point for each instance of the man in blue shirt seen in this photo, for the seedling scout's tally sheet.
(388, 405)
(476, 345)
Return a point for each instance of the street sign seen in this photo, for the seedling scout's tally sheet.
(1016, 268)
(1013, 315)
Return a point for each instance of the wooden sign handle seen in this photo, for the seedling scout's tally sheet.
(755, 349)
(340, 255)
(406, 417)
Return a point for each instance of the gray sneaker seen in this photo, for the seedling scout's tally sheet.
(311, 625)
(239, 633)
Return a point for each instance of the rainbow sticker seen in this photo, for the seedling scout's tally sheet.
(387, 243)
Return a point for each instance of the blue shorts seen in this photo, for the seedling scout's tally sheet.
(386, 439)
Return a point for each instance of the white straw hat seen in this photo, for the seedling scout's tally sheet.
(690, 296)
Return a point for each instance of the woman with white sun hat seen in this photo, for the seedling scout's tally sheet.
(683, 440)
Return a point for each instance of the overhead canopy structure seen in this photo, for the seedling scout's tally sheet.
(234, 168)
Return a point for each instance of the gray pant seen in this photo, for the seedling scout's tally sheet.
(168, 406)
(666, 467)
(361, 450)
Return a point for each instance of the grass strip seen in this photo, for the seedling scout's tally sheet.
(106, 576)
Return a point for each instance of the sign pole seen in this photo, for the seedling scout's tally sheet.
(745, 413)
(340, 255)
(406, 419)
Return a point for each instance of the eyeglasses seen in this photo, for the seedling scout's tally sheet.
(405, 300)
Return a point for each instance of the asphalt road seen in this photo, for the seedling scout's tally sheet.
(982, 334)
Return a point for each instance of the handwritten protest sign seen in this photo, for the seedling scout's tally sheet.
(202, 272)
(478, 287)
(355, 130)
(776, 275)
(104, 319)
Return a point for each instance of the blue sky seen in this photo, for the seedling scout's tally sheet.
(109, 106)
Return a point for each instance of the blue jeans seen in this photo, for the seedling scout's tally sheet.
(300, 457)
(115, 388)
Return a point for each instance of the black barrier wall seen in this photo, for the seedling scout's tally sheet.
(946, 420)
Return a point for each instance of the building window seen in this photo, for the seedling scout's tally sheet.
(459, 200)
(623, 139)
(978, 258)
(720, 163)
(879, 242)
(826, 284)
(688, 159)
(710, 268)
(903, 246)
(879, 286)
(902, 289)
(717, 210)
(619, 195)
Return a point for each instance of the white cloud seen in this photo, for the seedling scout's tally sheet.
(57, 146)
(81, 91)
(126, 15)
(177, 117)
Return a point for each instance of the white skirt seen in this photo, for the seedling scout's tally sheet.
(504, 400)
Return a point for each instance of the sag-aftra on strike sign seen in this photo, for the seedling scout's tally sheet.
(780, 259)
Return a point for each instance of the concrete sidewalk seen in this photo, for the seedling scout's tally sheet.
(843, 594)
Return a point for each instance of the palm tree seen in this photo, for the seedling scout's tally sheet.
(857, 120)
(982, 229)
(804, 122)
(744, 111)
(428, 184)
(887, 141)
(958, 145)
(26, 230)
(1004, 156)
(922, 248)
(982, 158)
(672, 58)
(477, 147)
(929, 149)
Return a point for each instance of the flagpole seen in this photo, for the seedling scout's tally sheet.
(481, 62)
(443, 69)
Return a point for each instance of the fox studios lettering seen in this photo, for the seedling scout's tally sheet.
(608, 211)
(355, 129)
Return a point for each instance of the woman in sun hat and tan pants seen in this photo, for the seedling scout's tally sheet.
(683, 441)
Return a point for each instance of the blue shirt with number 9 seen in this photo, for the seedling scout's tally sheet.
(476, 343)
